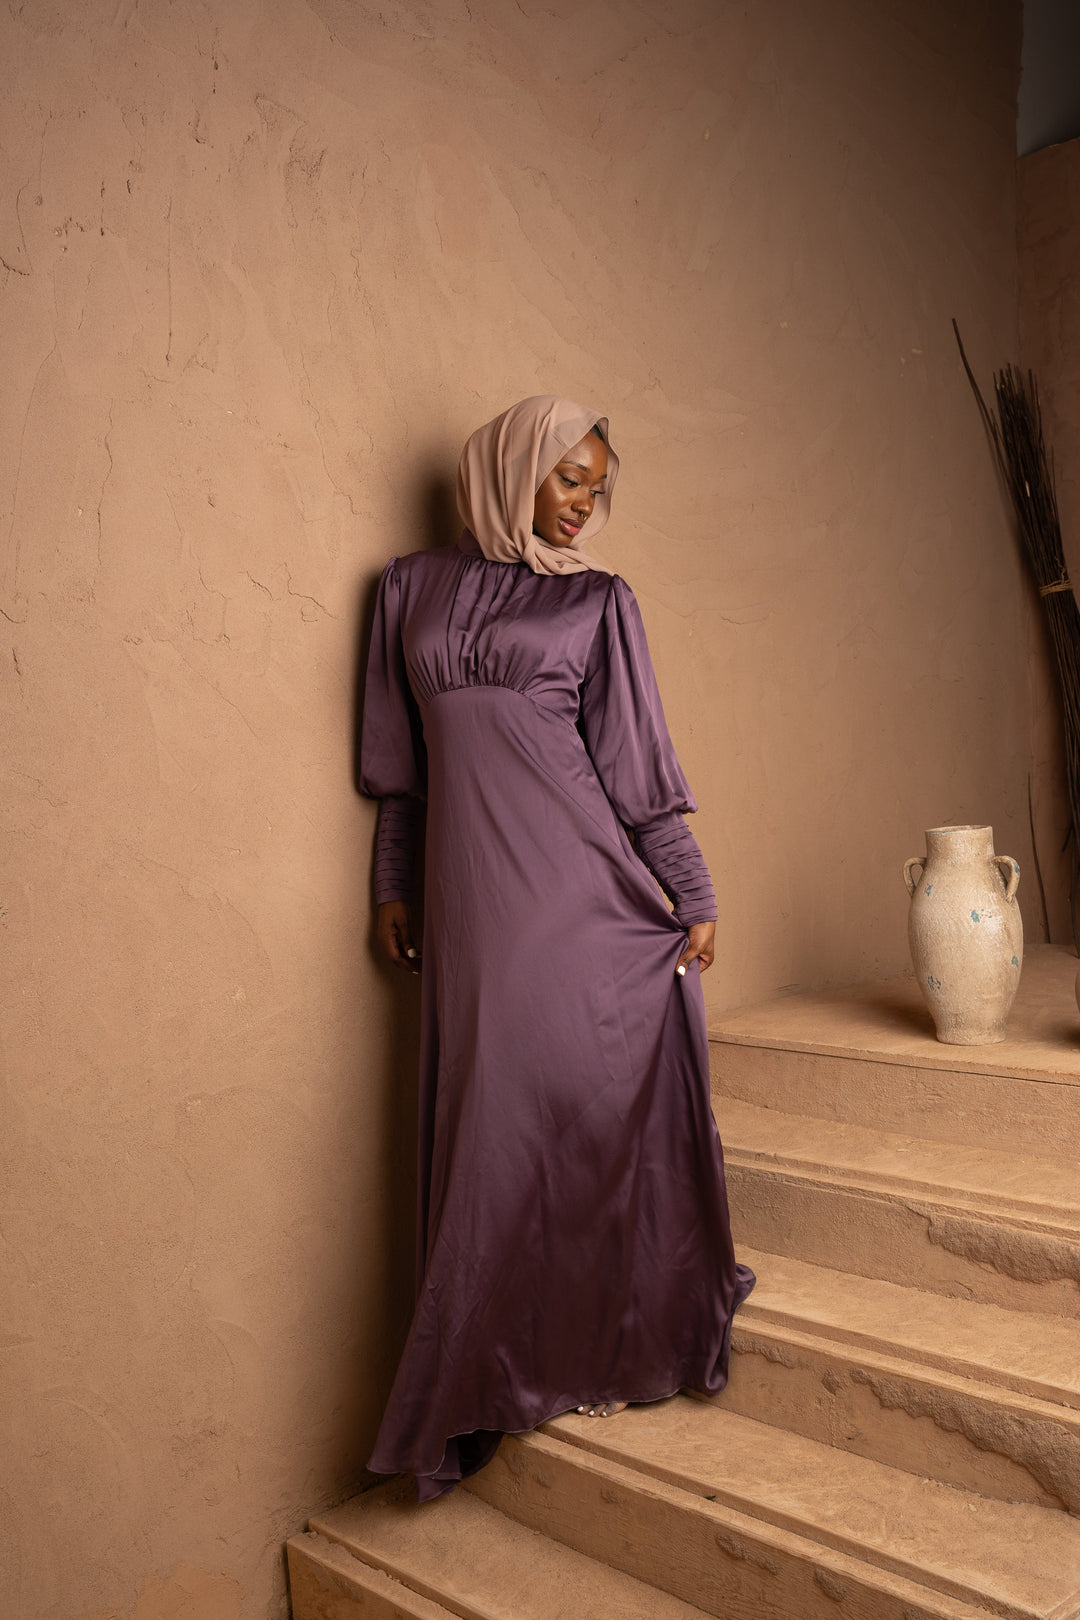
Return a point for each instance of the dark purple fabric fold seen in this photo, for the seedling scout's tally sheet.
(567, 1148)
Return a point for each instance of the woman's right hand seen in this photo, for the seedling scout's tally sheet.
(395, 934)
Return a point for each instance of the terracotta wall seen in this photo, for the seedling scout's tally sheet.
(263, 268)
(1048, 230)
(1048, 234)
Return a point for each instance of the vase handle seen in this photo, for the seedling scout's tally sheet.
(913, 883)
(1012, 880)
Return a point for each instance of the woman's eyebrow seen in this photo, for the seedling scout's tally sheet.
(581, 467)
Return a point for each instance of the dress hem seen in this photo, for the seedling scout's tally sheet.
(744, 1288)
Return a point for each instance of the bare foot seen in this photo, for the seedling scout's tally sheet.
(602, 1408)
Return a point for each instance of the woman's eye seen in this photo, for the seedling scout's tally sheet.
(571, 483)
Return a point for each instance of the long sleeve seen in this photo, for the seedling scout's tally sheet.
(630, 746)
(393, 759)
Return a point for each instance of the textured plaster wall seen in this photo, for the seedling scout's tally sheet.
(1048, 236)
(262, 267)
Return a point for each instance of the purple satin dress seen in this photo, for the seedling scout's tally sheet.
(573, 1226)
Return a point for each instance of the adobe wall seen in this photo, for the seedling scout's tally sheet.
(1048, 236)
(263, 269)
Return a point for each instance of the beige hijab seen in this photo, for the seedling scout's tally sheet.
(503, 465)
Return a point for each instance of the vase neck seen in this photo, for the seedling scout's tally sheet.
(960, 843)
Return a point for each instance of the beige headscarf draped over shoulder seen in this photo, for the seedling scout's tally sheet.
(503, 465)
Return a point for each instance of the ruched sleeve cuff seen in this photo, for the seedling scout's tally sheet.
(397, 836)
(673, 856)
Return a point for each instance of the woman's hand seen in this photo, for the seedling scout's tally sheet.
(702, 945)
(395, 934)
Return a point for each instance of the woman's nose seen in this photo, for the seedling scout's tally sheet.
(583, 503)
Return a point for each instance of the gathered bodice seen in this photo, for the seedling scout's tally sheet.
(466, 621)
(574, 646)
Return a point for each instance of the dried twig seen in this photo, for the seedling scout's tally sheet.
(1015, 431)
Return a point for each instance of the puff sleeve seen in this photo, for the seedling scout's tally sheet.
(628, 740)
(392, 757)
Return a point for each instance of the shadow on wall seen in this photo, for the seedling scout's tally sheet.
(437, 524)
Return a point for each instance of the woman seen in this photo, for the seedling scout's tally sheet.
(574, 1249)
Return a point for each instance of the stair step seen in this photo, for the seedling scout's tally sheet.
(955, 1220)
(1034, 1355)
(867, 1055)
(327, 1583)
(726, 1562)
(613, 1489)
(1034, 1191)
(975, 1395)
(462, 1557)
(1009, 1559)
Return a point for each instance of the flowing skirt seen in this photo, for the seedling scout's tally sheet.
(574, 1237)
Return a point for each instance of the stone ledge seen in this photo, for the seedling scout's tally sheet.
(885, 1021)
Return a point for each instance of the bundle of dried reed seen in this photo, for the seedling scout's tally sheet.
(1016, 437)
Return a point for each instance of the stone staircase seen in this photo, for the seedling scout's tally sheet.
(900, 1437)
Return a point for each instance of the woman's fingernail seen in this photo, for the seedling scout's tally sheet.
(681, 969)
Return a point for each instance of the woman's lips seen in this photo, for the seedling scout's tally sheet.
(572, 529)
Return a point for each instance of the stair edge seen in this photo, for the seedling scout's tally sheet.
(312, 1556)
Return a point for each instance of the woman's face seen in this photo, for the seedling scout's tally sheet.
(564, 501)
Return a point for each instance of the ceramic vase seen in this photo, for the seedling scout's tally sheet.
(966, 936)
